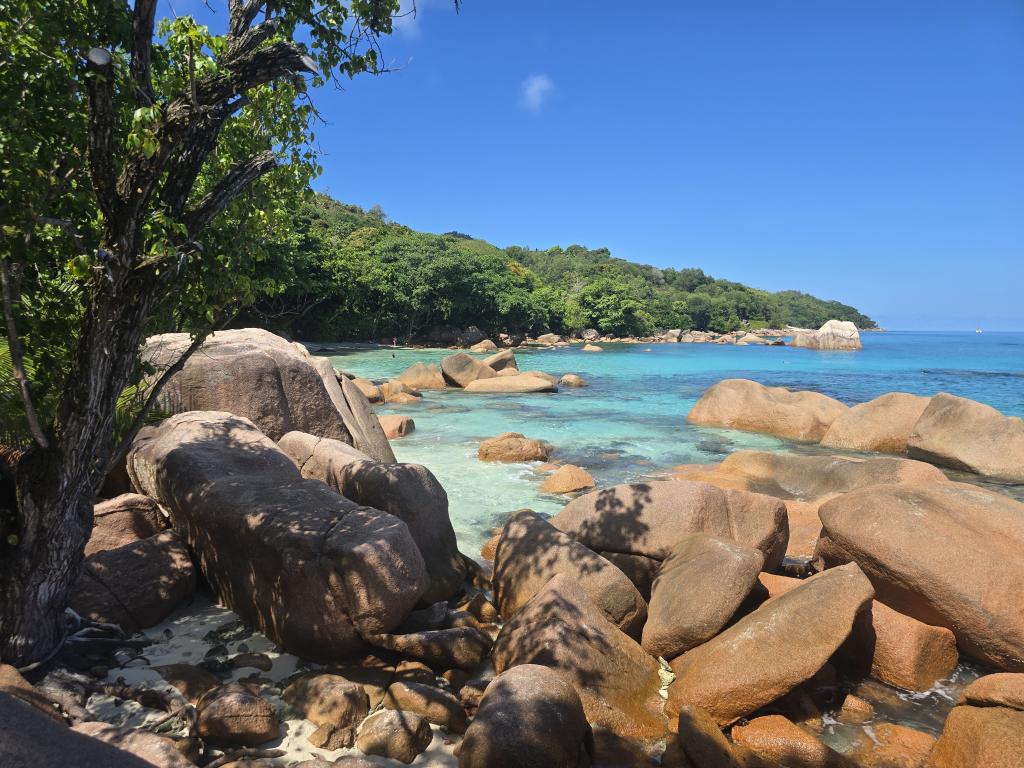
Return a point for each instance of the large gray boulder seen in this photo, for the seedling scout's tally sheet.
(460, 369)
(833, 335)
(410, 492)
(964, 434)
(312, 570)
(360, 420)
(250, 373)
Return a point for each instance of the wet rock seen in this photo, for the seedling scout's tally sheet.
(136, 585)
(232, 715)
(698, 589)
(328, 700)
(330, 570)
(395, 735)
(529, 717)
(649, 518)
(191, 681)
(561, 628)
(531, 551)
(123, 520)
(422, 376)
(882, 425)
(592, 348)
(460, 369)
(572, 380)
(568, 478)
(747, 405)
(431, 703)
(964, 434)
(410, 492)
(511, 385)
(31, 739)
(769, 652)
(775, 738)
(898, 650)
(396, 426)
(893, 746)
(946, 554)
(986, 728)
(250, 373)
(513, 447)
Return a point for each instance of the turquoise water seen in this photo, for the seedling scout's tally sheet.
(630, 422)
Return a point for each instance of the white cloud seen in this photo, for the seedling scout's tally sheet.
(534, 92)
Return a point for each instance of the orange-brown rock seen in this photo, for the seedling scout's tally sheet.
(776, 584)
(650, 518)
(699, 587)
(616, 679)
(396, 426)
(529, 716)
(769, 652)
(370, 390)
(775, 738)
(421, 376)
(460, 369)
(513, 447)
(699, 742)
(490, 547)
(987, 729)
(893, 746)
(572, 380)
(567, 479)
(747, 405)
(518, 384)
(947, 554)
(503, 360)
(326, 699)
(900, 650)
(436, 706)
(964, 434)
(232, 715)
(122, 520)
(531, 551)
(882, 425)
(394, 391)
(641, 570)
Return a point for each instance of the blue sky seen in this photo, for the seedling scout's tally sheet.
(868, 151)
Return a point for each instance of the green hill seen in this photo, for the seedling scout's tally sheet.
(355, 275)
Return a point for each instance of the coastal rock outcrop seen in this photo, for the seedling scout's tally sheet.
(329, 570)
(513, 447)
(948, 554)
(518, 384)
(964, 434)
(769, 652)
(423, 376)
(531, 551)
(500, 361)
(123, 520)
(561, 628)
(650, 518)
(529, 716)
(833, 335)
(747, 405)
(136, 585)
(699, 587)
(250, 373)
(572, 380)
(775, 739)
(410, 492)
(396, 426)
(460, 369)
(986, 727)
(395, 735)
(567, 479)
(882, 425)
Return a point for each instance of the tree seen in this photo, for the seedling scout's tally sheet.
(140, 173)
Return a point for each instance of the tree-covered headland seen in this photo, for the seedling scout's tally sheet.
(352, 274)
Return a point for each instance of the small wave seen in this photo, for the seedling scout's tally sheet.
(966, 373)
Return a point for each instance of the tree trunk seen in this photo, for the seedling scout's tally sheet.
(56, 487)
(37, 574)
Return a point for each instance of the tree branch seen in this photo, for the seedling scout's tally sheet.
(100, 65)
(142, 47)
(240, 177)
(17, 359)
(241, 15)
(250, 69)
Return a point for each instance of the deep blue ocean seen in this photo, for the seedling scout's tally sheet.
(631, 421)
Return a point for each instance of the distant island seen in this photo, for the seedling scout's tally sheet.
(356, 275)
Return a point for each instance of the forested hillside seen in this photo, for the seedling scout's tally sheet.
(355, 275)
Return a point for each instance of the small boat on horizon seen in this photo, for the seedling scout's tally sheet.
(978, 330)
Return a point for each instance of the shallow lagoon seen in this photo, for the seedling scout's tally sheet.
(631, 421)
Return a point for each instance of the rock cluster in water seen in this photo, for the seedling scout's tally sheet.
(718, 617)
